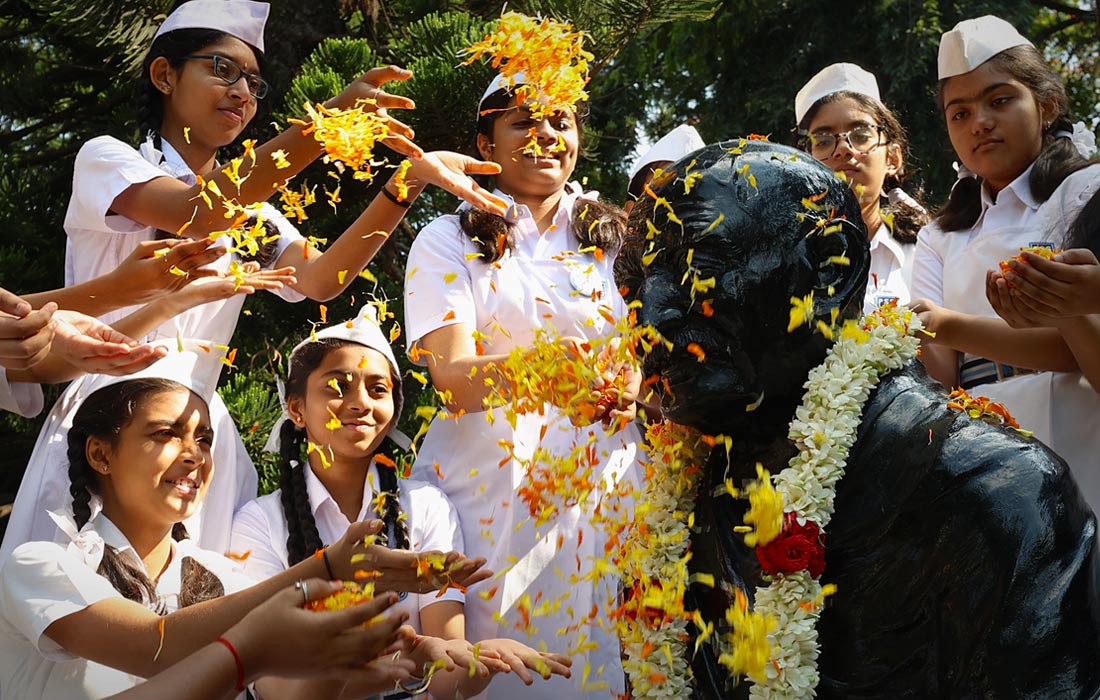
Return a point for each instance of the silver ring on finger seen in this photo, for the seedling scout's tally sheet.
(302, 586)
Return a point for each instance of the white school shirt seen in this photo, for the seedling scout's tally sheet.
(260, 530)
(99, 241)
(22, 398)
(1061, 408)
(43, 582)
(542, 284)
(891, 270)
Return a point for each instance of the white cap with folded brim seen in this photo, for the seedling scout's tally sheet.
(973, 42)
(671, 147)
(501, 83)
(45, 484)
(839, 77)
(363, 330)
(195, 364)
(243, 19)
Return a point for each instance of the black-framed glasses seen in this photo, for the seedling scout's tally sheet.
(862, 139)
(229, 72)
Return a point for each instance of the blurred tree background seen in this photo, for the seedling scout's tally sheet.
(728, 67)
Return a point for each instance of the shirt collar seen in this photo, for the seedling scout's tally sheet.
(319, 495)
(883, 238)
(1019, 190)
(166, 158)
(113, 537)
(517, 212)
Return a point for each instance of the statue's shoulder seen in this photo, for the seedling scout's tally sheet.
(907, 420)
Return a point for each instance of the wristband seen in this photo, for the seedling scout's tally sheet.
(237, 659)
(393, 198)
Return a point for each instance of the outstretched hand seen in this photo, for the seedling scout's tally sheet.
(1068, 285)
(451, 172)
(398, 569)
(156, 268)
(94, 347)
(281, 638)
(25, 334)
(369, 87)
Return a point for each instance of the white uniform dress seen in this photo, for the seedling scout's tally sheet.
(260, 530)
(544, 284)
(98, 243)
(43, 582)
(949, 269)
(891, 270)
(22, 398)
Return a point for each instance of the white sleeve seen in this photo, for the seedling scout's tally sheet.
(435, 526)
(22, 398)
(253, 539)
(41, 583)
(927, 267)
(438, 287)
(105, 168)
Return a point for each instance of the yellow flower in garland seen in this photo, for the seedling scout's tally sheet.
(547, 52)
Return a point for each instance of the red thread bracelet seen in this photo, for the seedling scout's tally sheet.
(237, 659)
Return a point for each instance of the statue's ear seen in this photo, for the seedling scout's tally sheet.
(837, 253)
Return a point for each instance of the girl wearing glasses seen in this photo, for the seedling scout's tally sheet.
(1022, 182)
(849, 129)
(201, 83)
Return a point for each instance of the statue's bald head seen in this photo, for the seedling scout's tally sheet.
(718, 247)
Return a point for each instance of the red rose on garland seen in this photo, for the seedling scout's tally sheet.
(796, 548)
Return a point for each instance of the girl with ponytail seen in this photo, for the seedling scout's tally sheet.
(338, 456)
(1022, 183)
(846, 126)
(127, 594)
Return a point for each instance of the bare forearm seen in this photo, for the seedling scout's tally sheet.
(208, 674)
(1082, 335)
(137, 645)
(319, 276)
(97, 296)
(1034, 348)
(942, 364)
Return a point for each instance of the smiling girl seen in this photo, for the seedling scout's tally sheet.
(128, 594)
(477, 286)
(1022, 183)
(343, 400)
(201, 83)
(848, 128)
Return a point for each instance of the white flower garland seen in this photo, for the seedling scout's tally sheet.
(824, 430)
(655, 567)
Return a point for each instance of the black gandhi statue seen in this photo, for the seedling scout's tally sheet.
(963, 554)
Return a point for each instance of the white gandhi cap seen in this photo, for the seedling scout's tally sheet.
(500, 82)
(973, 42)
(672, 147)
(243, 19)
(846, 77)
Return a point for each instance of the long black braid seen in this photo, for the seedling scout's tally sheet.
(103, 415)
(303, 539)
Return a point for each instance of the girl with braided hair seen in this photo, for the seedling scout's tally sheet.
(338, 453)
(128, 594)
